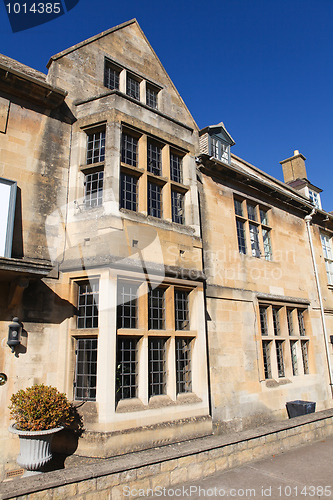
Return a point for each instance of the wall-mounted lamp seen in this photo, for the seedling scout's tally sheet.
(14, 334)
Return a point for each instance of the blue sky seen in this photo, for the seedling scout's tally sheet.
(263, 67)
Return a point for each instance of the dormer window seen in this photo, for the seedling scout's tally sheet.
(315, 198)
(215, 141)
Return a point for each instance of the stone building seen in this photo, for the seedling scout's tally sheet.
(269, 300)
(102, 168)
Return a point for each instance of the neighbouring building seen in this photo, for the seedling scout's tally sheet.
(164, 284)
(269, 301)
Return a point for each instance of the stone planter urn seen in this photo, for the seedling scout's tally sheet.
(35, 448)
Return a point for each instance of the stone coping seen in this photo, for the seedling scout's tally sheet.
(153, 456)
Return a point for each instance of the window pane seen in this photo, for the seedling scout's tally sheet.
(267, 359)
(300, 315)
(86, 369)
(156, 309)
(290, 321)
(88, 304)
(154, 158)
(129, 150)
(238, 207)
(151, 97)
(154, 200)
(181, 310)
(132, 87)
(176, 168)
(279, 358)
(252, 212)
(241, 236)
(263, 217)
(127, 309)
(111, 77)
(128, 195)
(254, 237)
(267, 244)
(276, 321)
(183, 365)
(305, 357)
(93, 196)
(96, 147)
(127, 368)
(177, 205)
(263, 320)
(294, 361)
(157, 366)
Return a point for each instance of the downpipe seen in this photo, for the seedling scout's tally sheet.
(308, 220)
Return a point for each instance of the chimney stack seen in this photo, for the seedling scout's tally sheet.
(294, 167)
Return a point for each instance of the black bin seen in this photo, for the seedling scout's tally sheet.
(298, 407)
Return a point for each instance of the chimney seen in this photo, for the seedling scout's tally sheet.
(294, 167)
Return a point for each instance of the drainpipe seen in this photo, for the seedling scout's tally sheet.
(308, 219)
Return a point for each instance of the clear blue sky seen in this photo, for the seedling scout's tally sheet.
(263, 67)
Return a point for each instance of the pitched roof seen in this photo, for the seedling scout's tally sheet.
(219, 126)
(18, 67)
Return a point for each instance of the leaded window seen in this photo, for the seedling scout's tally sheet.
(241, 236)
(132, 87)
(276, 321)
(127, 368)
(93, 195)
(290, 322)
(181, 310)
(301, 325)
(294, 360)
(88, 302)
(151, 96)
(127, 308)
(305, 356)
(183, 365)
(266, 345)
(254, 238)
(279, 358)
(129, 194)
(86, 369)
(111, 76)
(154, 200)
(176, 168)
(156, 309)
(154, 158)
(263, 320)
(267, 244)
(96, 147)
(157, 366)
(238, 207)
(177, 206)
(129, 150)
(252, 225)
(252, 212)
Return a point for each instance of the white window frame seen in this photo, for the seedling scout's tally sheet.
(328, 256)
(8, 190)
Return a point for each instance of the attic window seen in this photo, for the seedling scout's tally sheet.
(220, 149)
(315, 198)
(111, 76)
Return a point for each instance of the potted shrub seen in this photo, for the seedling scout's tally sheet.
(39, 412)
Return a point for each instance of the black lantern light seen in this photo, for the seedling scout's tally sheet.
(14, 334)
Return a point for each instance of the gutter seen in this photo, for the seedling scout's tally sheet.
(308, 219)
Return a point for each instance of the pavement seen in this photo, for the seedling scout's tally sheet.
(302, 473)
